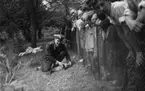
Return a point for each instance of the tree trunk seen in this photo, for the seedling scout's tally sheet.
(98, 56)
(26, 34)
(39, 33)
(68, 23)
(33, 22)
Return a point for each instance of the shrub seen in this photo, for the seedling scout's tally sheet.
(8, 63)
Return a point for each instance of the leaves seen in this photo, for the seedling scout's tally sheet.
(3, 67)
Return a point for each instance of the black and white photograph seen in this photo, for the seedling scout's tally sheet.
(72, 45)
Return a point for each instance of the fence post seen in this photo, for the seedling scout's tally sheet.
(98, 61)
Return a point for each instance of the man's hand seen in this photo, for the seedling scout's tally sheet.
(70, 63)
(139, 58)
(137, 27)
(59, 63)
(130, 55)
(133, 24)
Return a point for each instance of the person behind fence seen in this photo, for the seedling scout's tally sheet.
(55, 53)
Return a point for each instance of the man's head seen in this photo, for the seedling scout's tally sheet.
(73, 13)
(101, 15)
(79, 13)
(94, 18)
(58, 38)
(105, 6)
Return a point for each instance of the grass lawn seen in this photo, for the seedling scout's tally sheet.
(75, 78)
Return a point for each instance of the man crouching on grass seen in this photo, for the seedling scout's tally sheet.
(55, 53)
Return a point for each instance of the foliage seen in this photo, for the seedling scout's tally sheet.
(9, 23)
(3, 36)
(15, 15)
(18, 43)
(8, 65)
(11, 64)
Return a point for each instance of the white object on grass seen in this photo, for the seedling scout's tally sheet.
(31, 50)
(81, 60)
(114, 82)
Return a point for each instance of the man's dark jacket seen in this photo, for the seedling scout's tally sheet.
(54, 53)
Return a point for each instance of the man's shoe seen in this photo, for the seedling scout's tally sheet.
(64, 67)
(49, 72)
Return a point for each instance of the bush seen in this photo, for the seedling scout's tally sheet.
(3, 37)
(8, 63)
